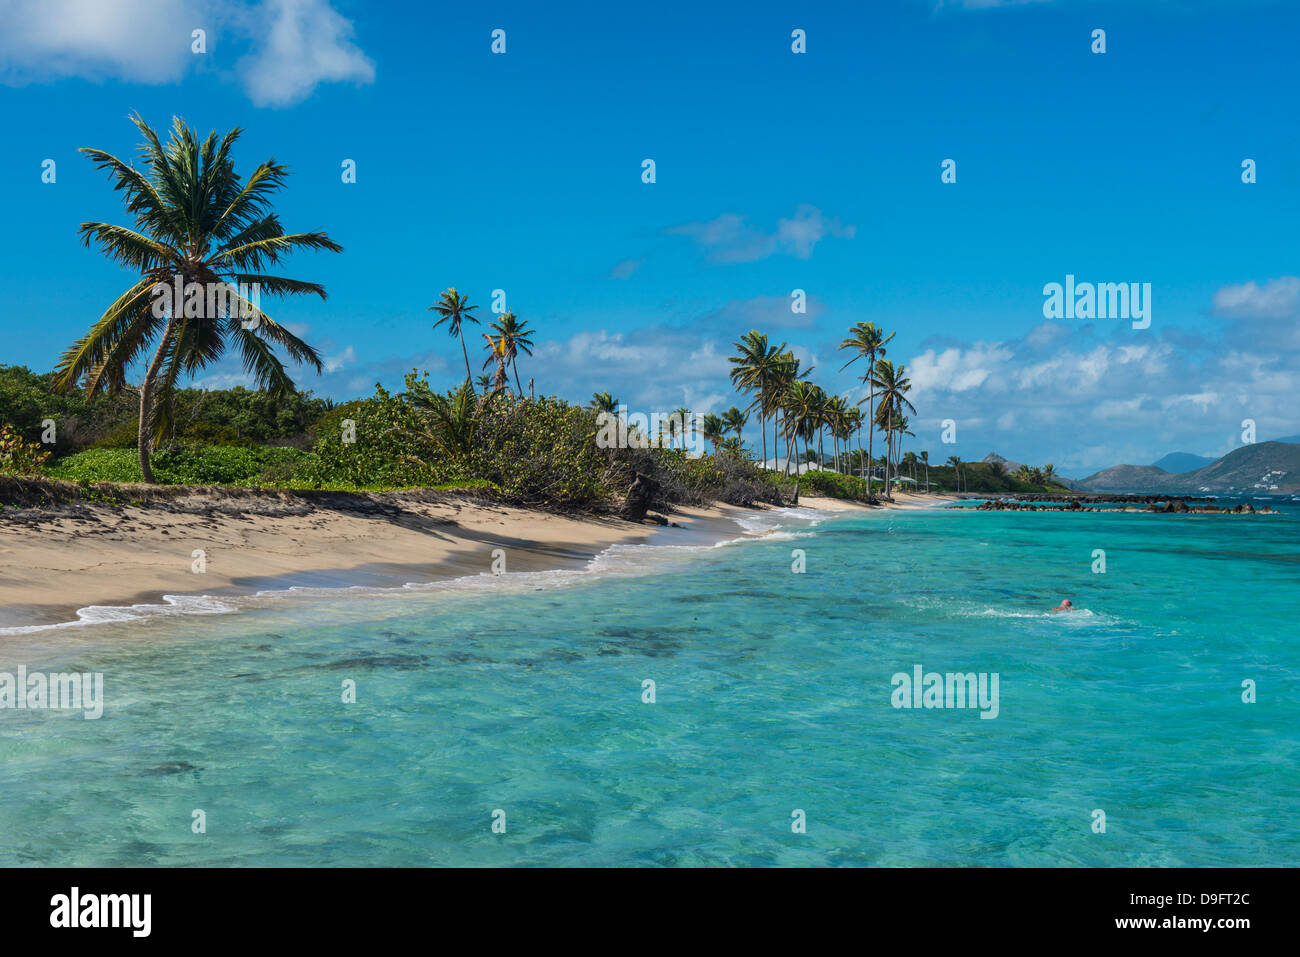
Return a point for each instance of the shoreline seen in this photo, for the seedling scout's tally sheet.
(102, 559)
(56, 564)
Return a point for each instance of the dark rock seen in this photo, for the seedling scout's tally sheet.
(638, 498)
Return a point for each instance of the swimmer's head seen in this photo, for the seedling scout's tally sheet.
(1066, 603)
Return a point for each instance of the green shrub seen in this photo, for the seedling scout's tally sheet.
(18, 456)
(188, 465)
(385, 429)
(539, 451)
(834, 485)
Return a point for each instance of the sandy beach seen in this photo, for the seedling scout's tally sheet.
(901, 500)
(54, 561)
(225, 541)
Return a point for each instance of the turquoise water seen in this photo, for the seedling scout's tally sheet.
(773, 693)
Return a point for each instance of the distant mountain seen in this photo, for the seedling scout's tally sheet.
(1261, 467)
(1293, 439)
(1182, 462)
(1009, 465)
(1126, 478)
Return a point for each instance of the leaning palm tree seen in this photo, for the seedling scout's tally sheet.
(868, 341)
(755, 371)
(454, 309)
(515, 337)
(201, 229)
(925, 459)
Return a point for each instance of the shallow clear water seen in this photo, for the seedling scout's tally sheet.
(773, 694)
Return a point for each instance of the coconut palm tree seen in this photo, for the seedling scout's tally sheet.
(925, 458)
(603, 402)
(451, 420)
(800, 414)
(894, 385)
(496, 347)
(455, 310)
(853, 423)
(484, 382)
(910, 460)
(680, 418)
(714, 429)
(787, 375)
(840, 423)
(820, 418)
(201, 228)
(868, 342)
(1049, 474)
(755, 370)
(734, 420)
(515, 337)
(955, 462)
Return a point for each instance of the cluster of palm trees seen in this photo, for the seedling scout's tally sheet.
(1036, 476)
(799, 409)
(510, 336)
(716, 428)
(803, 411)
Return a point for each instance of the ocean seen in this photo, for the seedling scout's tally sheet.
(508, 721)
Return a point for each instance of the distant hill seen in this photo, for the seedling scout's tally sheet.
(1293, 439)
(1182, 462)
(1256, 467)
(1251, 467)
(1126, 478)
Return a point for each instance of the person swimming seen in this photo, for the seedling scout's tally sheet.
(1065, 605)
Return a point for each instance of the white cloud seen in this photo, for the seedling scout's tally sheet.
(1276, 299)
(147, 41)
(307, 43)
(957, 371)
(729, 238)
(334, 363)
(293, 45)
(1085, 403)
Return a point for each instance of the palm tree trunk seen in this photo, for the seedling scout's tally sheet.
(469, 376)
(871, 419)
(144, 437)
(515, 368)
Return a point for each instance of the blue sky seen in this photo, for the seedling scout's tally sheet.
(775, 171)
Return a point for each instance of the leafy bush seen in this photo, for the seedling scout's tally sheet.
(539, 451)
(18, 456)
(386, 451)
(834, 485)
(188, 465)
